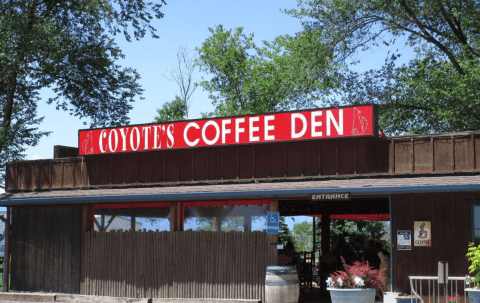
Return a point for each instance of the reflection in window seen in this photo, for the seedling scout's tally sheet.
(226, 218)
(476, 225)
(142, 218)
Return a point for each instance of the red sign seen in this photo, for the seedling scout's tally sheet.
(287, 126)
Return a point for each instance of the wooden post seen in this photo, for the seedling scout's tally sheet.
(176, 217)
(314, 242)
(173, 216)
(247, 223)
(325, 233)
(86, 225)
(133, 223)
(217, 223)
(6, 261)
(273, 240)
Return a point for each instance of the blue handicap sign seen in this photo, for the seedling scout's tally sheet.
(273, 222)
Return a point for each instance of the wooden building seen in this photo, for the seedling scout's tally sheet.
(431, 178)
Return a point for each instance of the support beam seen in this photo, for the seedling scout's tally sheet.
(133, 223)
(247, 223)
(314, 240)
(217, 223)
(273, 239)
(325, 233)
(7, 254)
(176, 217)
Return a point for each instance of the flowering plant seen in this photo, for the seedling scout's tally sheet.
(473, 256)
(358, 275)
(455, 299)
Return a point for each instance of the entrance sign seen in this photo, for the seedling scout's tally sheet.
(404, 240)
(422, 233)
(273, 222)
(329, 197)
(342, 122)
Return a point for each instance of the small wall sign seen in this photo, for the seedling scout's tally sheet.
(404, 240)
(331, 197)
(422, 233)
(273, 222)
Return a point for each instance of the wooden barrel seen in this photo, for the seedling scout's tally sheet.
(281, 284)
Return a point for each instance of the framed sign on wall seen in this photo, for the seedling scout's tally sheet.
(422, 233)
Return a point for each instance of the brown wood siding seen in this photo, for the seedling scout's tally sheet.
(46, 249)
(188, 264)
(324, 158)
(451, 217)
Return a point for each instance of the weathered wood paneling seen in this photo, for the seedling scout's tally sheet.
(464, 154)
(443, 155)
(423, 156)
(261, 161)
(228, 265)
(403, 156)
(245, 156)
(311, 152)
(214, 163)
(451, 217)
(171, 166)
(200, 164)
(295, 159)
(277, 160)
(346, 156)
(329, 152)
(186, 166)
(353, 156)
(46, 249)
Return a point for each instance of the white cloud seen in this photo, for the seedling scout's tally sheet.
(36, 157)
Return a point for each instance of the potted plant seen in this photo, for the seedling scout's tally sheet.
(358, 283)
(473, 256)
(455, 299)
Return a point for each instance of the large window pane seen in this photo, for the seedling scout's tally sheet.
(476, 217)
(226, 218)
(142, 218)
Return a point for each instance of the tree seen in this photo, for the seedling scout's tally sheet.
(302, 234)
(67, 46)
(247, 79)
(357, 233)
(284, 234)
(434, 92)
(182, 74)
(175, 110)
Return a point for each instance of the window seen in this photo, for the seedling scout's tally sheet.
(476, 225)
(226, 216)
(138, 216)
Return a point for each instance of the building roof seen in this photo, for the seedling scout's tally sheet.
(262, 189)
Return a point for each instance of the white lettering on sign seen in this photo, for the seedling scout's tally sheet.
(339, 196)
(278, 127)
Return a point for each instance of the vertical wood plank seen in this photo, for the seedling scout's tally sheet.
(85, 220)
(49, 247)
(58, 220)
(66, 249)
(76, 238)
(31, 249)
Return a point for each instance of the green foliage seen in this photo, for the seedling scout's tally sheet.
(284, 234)
(66, 46)
(246, 79)
(234, 223)
(473, 257)
(172, 111)
(302, 234)
(436, 91)
(357, 233)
